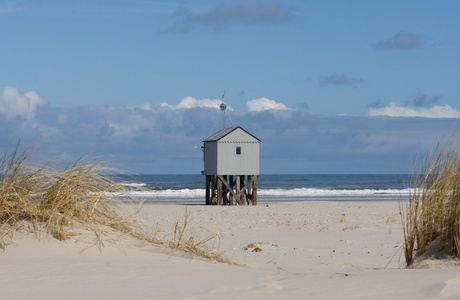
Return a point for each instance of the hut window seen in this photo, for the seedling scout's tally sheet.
(238, 150)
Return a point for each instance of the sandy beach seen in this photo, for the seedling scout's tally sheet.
(285, 250)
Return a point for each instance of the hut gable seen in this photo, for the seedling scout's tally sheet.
(231, 134)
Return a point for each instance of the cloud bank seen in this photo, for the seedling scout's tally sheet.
(397, 110)
(162, 139)
(421, 105)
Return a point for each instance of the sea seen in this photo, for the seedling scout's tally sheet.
(285, 187)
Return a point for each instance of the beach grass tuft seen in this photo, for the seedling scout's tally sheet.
(431, 218)
(76, 201)
(59, 203)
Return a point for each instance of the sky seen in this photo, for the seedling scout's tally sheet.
(330, 87)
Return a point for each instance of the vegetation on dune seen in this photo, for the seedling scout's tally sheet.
(75, 201)
(431, 218)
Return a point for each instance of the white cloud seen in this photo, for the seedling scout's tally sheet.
(190, 102)
(14, 104)
(264, 104)
(396, 110)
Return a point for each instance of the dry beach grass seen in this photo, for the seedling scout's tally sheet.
(432, 216)
(76, 201)
(41, 200)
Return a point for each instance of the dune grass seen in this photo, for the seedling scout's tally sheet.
(79, 199)
(431, 218)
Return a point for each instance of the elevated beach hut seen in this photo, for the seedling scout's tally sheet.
(231, 167)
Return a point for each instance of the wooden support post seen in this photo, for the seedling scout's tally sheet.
(224, 191)
(242, 194)
(254, 190)
(219, 191)
(237, 190)
(208, 192)
(213, 189)
(230, 179)
(249, 190)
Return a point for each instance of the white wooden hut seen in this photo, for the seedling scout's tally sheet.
(231, 166)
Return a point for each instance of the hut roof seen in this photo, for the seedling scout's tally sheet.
(224, 132)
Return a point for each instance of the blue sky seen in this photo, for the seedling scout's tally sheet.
(328, 86)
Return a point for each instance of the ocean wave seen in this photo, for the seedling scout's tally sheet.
(331, 192)
(275, 194)
(134, 184)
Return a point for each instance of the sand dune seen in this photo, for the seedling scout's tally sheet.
(305, 250)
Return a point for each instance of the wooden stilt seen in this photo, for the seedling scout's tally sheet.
(208, 187)
(254, 190)
(213, 194)
(231, 189)
(219, 191)
(237, 190)
(249, 190)
(224, 190)
(230, 180)
(242, 193)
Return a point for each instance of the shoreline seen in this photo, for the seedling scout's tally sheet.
(307, 250)
(263, 202)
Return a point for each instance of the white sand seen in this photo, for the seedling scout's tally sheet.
(310, 250)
